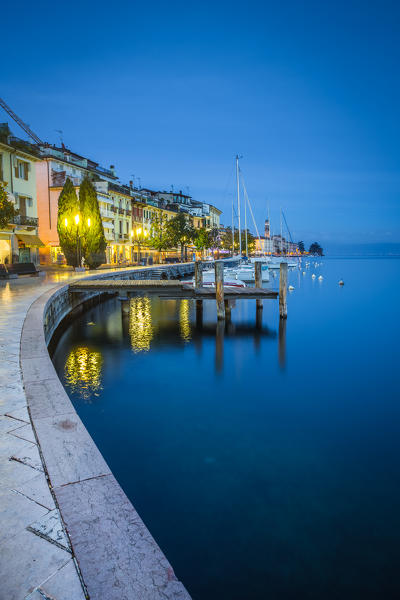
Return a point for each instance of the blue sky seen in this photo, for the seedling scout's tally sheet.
(307, 92)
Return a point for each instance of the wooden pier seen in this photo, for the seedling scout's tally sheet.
(176, 289)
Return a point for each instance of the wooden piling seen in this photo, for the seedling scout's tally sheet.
(283, 290)
(228, 311)
(199, 314)
(198, 274)
(258, 281)
(219, 289)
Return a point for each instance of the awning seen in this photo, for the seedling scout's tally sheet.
(5, 236)
(29, 240)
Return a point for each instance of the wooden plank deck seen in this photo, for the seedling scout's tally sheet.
(169, 289)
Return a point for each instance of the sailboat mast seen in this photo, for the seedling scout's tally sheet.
(245, 222)
(233, 229)
(281, 234)
(238, 204)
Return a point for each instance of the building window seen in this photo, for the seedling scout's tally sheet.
(22, 169)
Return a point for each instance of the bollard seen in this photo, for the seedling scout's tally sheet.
(283, 290)
(219, 289)
(258, 281)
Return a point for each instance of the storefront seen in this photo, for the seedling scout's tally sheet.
(27, 248)
(5, 248)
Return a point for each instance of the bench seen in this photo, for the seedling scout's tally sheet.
(22, 269)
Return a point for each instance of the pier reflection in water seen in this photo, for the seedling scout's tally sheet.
(145, 323)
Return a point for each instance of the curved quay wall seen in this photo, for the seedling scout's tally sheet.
(115, 553)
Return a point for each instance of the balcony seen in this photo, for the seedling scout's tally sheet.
(121, 211)
(27, 221)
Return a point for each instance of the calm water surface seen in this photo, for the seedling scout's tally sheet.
(265, 461)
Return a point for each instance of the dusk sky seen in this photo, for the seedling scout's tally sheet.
(307, 92)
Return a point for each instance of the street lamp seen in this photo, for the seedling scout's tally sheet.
(78, 253)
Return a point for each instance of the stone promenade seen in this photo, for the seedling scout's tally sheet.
(36, 562)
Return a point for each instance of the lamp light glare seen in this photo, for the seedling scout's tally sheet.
(77, 219)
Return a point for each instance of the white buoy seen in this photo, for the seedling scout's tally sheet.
(304, 272)
(341, 282)
(320, 278)
(313, 276)
(290, 288)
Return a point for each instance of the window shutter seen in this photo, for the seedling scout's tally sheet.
(16, 168)
(26, 171)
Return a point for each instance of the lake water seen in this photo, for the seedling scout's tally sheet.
(264, 460)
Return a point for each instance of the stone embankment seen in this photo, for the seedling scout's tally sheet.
(67, 531)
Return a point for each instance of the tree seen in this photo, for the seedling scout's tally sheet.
(202, 240)
(159, 238)
(93, 241)
(315, 248)
(7, 210)
(251, 244)
(68, 208)
(180, 232)
(301, 247)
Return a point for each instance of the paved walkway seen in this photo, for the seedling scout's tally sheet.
(35, 557)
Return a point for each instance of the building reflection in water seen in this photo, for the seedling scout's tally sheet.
(140, 324)
(184, 320)
(83, 371)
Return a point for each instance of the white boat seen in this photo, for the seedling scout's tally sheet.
(229, 279)
(246, 273)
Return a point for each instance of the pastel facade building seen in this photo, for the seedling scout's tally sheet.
(19, 241)
(56, 165)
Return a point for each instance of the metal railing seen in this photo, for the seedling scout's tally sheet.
(24, 220)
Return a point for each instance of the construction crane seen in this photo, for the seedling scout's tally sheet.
(20, 122)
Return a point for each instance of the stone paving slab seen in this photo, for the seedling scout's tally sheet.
(34, 560)
(55, 587)
(69, 451)
(118, 558)
(49, 527)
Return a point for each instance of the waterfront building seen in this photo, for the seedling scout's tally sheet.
(19, 241)
(264, 245)
(55, 166)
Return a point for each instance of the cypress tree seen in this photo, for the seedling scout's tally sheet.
(68, 208)
(93, 241)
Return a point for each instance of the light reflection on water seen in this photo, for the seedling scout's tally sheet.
(184, 320)
(141, 328)
(83, 372)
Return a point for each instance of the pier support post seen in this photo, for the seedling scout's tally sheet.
(228, 311)
(258, 281)
(283, 290)
(199, 314)
(219, 289)
(198, 274)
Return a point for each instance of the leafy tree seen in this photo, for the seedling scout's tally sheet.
(215, 238)
(93, 241)
(315, 248)
(202, 240)
(251, 243)
(7, 210)
(68, 208)
(301, 247)
(180, 232)
(159, 238)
